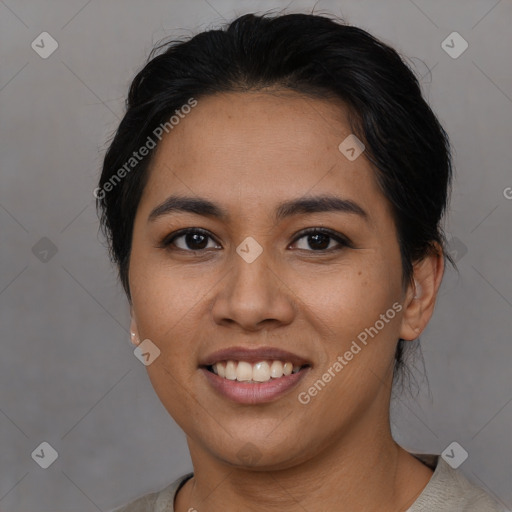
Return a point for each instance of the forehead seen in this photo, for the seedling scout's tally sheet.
(260, 148)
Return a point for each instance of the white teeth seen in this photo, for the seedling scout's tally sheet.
(243, 371)
(230, 370)
(262, 371)
(221, 369)
(276, 370)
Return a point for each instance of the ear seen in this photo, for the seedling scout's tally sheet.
(421, 294)
(134, 331)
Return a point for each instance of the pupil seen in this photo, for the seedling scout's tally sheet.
(194, 238)
(315, 241)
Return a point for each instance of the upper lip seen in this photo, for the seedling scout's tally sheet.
(253, 355)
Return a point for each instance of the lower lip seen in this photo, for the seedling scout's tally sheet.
(254, 393)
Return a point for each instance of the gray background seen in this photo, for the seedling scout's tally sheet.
(68, 375)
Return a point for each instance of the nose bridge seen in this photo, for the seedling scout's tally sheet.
(252, 293)
(253, 281)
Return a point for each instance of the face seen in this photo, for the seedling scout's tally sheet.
(246, 276)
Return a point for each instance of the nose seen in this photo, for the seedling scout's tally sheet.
(253, 296)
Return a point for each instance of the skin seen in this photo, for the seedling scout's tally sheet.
(248, 152)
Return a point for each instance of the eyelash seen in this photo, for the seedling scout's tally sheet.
(342, 240)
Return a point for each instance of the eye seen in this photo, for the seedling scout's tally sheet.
(196, 239)
(320, 240)
(190, 239)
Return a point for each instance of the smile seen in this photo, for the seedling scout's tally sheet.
(247, 389)
(244, 371)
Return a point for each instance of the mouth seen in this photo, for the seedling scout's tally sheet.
(261, 371)
(253, 376)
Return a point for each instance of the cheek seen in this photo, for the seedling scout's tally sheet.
(161, 294)
(349, 313)
(345, 308)
(166, 305)
(350, 297)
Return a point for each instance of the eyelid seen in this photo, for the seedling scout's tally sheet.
(342, 240)
(338, 237)
(169, 238)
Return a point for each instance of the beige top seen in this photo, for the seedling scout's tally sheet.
(447, 491)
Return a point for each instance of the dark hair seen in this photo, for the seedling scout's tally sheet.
(317, 57)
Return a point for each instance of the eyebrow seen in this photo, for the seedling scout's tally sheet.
(303, 205)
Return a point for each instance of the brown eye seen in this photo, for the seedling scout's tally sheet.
(317, 240)
(189, 240)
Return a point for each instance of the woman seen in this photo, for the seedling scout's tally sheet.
(273, 199)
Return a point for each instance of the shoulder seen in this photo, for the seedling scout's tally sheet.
(156, 501)
(450, 491)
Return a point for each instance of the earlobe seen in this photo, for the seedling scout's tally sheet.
(421, 295)
(134, 333)
(410, 328)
